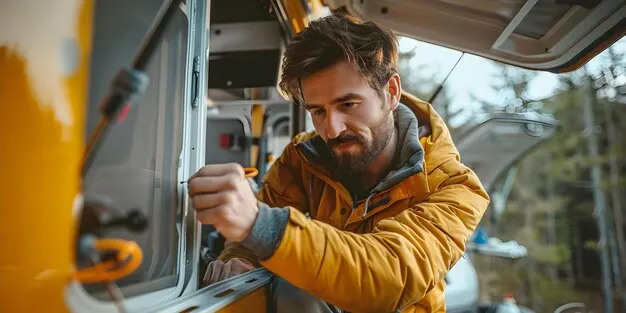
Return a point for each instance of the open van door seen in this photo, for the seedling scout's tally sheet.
(493, 145)
(490, 148)
(550, 35)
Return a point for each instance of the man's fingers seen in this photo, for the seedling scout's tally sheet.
(219, 170)
(226, 271)
(207, 274)
(239, 266)
(207, 184)
(237, 271)
(210, 200)
(243, 263)
(216, 271)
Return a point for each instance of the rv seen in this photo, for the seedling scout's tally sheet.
(108, 107)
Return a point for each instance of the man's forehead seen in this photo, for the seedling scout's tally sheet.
(333, 83)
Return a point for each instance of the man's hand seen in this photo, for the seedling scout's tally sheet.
(218, 270)
(223, 198)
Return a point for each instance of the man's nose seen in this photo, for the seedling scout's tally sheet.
(335, 125)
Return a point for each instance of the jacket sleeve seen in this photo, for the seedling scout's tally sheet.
(283, 175)
(394, 266)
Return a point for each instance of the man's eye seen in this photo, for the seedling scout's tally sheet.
(317, 112)
(348, 105)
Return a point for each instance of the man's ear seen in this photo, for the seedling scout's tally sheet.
(394, 88)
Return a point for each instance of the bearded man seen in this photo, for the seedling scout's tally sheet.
(365, 214)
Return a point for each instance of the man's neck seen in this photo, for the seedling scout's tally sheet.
(381, 165)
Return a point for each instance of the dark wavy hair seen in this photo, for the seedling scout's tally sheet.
(371, 48)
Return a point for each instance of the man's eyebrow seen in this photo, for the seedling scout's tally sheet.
(308, 106)
(341, 99)
(346, 97)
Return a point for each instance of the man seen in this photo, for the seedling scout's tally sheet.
(366, 214)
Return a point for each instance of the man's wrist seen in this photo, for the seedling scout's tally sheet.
(267, 231)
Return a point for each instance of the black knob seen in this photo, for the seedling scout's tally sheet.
(136, 221)
(98, 216)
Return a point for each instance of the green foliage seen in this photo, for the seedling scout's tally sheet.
(592, 245)
(551, 255)
(552, 194)
(548, 294)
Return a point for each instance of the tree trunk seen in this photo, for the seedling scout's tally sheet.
(552, 268)
(618, 217)
(530, 269)
(589, 97)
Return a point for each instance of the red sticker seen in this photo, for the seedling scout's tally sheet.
(124, 112)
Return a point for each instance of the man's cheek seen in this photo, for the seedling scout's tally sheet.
(319, 128)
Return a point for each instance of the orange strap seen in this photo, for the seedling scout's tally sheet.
(250, 172)
(126, 261)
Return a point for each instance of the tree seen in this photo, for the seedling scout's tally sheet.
(413, 79)
(551, 194)
(607, 87)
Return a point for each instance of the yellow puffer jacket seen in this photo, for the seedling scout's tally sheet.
(389, 252)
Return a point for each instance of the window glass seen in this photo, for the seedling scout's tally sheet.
(544, 200)
(424, 66)
(137, 165)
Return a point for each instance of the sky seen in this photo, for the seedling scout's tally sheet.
(475, 75)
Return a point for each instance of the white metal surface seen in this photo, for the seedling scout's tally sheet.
(245, 36)
(462, 288)
(218, 295)
(474, 26)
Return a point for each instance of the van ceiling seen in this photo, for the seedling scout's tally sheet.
(243, 11)
(553, 35)
(244, 47)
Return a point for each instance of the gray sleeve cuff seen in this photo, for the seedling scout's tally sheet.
(267, 231)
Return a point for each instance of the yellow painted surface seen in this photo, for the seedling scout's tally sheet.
(296, 15)
(253, 302)
(44, 60)
(258, 124)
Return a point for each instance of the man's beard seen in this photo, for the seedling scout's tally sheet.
(355, 163)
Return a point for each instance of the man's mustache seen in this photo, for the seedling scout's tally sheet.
(343, 139)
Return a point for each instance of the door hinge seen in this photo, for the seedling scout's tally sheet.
(195, 82)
